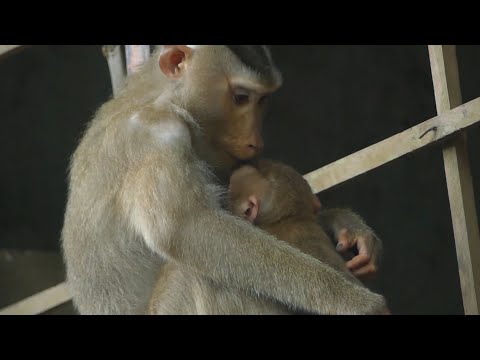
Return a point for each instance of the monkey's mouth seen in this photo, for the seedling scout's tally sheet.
(238, 162)
(231, 155)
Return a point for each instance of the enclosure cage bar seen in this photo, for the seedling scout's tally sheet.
(8, 49)
(446, 84)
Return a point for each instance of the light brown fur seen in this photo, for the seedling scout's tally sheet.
(288, 213)
(285, 211)
(142, 191)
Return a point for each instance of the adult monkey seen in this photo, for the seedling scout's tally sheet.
(141, 190)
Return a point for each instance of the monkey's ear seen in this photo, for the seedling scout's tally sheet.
(250, 208)
(316, 204)
(172, 59)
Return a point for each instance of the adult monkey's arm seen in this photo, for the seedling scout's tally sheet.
(194, 231)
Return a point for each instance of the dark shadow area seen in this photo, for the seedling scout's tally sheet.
(47, 94)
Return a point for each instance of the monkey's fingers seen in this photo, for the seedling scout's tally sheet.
(367, 272)
(345, 241)
(359, 261)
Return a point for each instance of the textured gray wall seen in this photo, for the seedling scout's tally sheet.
(335, 100)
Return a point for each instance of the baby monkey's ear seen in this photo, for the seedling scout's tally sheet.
(250, 208)
(316, 204)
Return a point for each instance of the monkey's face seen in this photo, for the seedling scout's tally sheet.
(233, 127)
(268, 192)
(226, 97)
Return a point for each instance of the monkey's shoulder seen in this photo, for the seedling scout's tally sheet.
(165, 126)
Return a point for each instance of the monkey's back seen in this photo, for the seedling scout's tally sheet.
(110, 270)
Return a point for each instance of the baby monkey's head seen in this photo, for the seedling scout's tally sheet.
(265, 192)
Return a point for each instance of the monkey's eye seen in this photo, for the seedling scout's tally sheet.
(241, 98)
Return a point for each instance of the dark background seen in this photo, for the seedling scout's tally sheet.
(335, 100)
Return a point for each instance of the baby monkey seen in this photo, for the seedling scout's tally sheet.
(275, 198)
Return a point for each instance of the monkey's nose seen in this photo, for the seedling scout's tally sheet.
(247, 152)
(256, 146)
(254, 150)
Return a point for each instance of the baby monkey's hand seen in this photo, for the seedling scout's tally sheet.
(367, 250)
